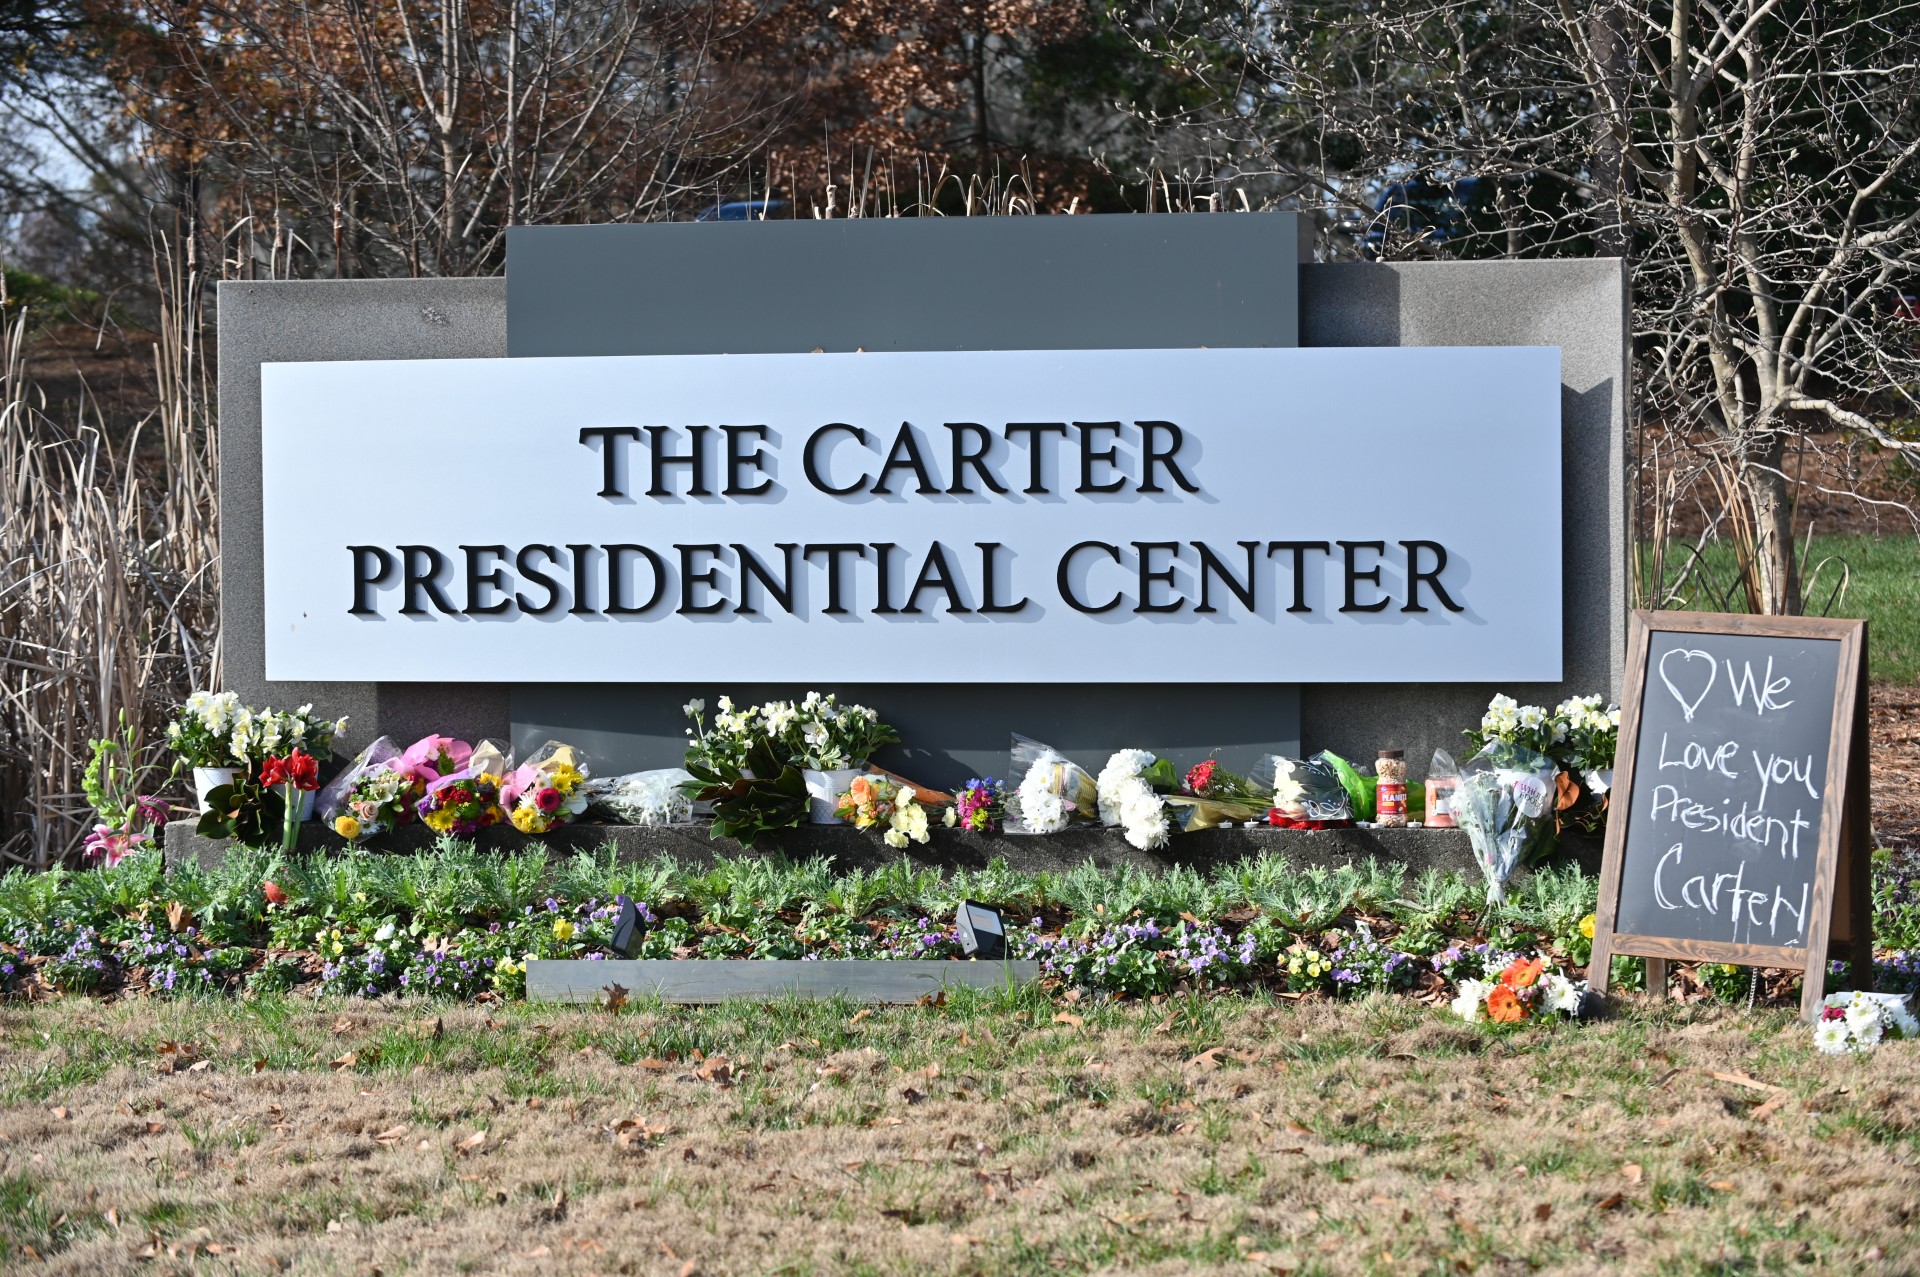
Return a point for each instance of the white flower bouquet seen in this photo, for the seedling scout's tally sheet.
(1053, 792)
(1505, 795)
(1126, 798)
(1851, 1023)
(655, 797)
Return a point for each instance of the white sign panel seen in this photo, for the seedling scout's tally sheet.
(1364, 515)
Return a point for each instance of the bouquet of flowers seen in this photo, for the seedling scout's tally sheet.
(1504, 795)
(294, 774)
(981, 806)
(1053, 792)
(1209, 795)
(876, 800)
(547, 791)
(1856, 1022)
(368, 796)
(1308, 794)
(817, 732)
(1127, 799)
(462, 802)
(1524, 990)
(644, 798)
(1580, 736)
(202, 730)
(431, 757)
(110, 784)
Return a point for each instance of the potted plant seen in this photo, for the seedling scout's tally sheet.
(202, 736)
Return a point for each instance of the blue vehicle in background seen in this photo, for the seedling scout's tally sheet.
(1421, 214)
(742, 211)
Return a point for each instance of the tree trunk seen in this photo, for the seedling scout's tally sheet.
(1776, 576)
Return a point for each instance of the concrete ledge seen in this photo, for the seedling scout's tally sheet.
(716, 980)
(1417, 849)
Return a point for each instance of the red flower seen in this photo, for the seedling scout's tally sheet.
(547, 800)
(299, 769)
(1200, 777)
(273, 893)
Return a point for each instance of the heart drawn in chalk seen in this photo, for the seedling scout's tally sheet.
(1688, 706)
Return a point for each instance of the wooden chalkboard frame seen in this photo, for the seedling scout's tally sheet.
(1841, 905)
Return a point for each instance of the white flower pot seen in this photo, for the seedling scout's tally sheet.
(824, 790)
(208, 779)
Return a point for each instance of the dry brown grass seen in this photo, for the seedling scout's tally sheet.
(979, 1137)
(109, 584)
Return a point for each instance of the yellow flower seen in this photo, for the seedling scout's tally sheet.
(440, 821)
(1586, 926)
(347, 827)
(562, 930)
(526, 820)
(564, 778)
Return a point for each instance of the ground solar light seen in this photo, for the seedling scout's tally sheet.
(982, 933)
(628, 930)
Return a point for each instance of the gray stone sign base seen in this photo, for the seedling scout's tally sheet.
(849, 848)
(716, 980)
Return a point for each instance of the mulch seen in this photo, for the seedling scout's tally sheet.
(1894, 725)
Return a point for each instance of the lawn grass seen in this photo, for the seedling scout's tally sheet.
(1003, 1133)
(1882, 576)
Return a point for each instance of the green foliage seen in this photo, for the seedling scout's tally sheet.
(749, 807)
(245, 812)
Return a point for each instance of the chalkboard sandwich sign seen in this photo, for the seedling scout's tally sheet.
(1738, 831)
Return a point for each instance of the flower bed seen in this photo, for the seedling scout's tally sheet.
(460, 923)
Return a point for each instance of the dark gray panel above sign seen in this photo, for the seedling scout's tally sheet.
(1135, 282)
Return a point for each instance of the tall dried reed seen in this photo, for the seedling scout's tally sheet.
(109, 574)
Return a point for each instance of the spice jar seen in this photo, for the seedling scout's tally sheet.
(1390, 793)
(1440, 801)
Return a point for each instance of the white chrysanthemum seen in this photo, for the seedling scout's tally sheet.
(895, 839)
(1042, 809)
(1470, 1003)
(1831, 1037)
(1143, 816)
(1110, 786)
(1560, 994)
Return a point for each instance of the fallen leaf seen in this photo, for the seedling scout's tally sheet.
(200, 1066)
(472, 1142)
(1207, 1060)
(1764, 1111)
(1610, 1202)
(616, 996)
(343, 1025)
(718, 1069)
(1297, 1129)
(1543, 1211)
(534, 1102)
(961, 1239)
(1721, 1185)
(61, 1113)
(259, 1064)
(390, 1135)
(1633, 1172)
(864, 1013)
(155, 1128)
(346, 1061)
(652, 1065)
(179, 917)
(1742, 1079)
(912, 1096)
(1068, 1017)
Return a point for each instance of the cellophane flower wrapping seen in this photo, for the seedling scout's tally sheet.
(371, 794)
(1503, 801)
(1306, 789)
(654, 797)
(546, 791)
(1052, 792)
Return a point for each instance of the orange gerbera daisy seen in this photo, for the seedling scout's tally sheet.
(1504, 1006)
(861, 790)
(1521, 974)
